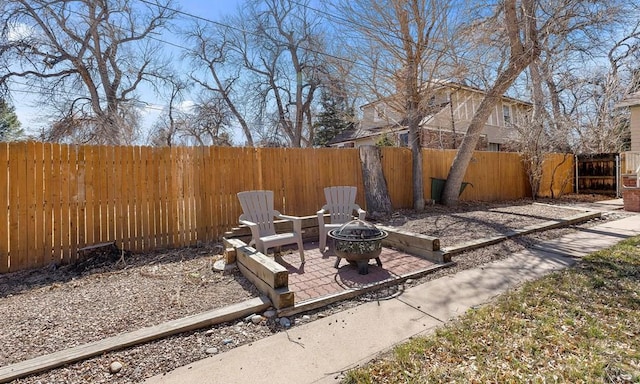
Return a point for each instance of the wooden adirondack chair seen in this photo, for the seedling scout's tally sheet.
(258, 215)
(341, 205)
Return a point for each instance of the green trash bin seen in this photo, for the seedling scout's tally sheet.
(437, 187)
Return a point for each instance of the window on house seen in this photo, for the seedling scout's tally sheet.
(494, 147)
(403, 139)
(506, 113)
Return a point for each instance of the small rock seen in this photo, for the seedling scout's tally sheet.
(285, 322)
(227, 341)
(269, 314)
(219, 265)
(321, 315)
(115, 367)
(211, 351)
(306, 317)
(257, 319)
(249, 318)
(409, 281)
(210, 332)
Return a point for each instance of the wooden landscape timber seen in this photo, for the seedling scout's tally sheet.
(550, 224)
(82, 352)
(415, 244)
(266, 274)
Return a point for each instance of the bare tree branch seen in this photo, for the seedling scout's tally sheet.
(97, 48)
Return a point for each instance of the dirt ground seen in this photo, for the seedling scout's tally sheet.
(50, 309)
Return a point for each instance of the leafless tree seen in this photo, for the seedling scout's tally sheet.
(209, 123)
(405, 47)
(533, 140)
(219, 72)
(88, 57)
(514, 20)
(579, 99)
(573, 103)
(266, 64)
(164, 131)
(600, 126)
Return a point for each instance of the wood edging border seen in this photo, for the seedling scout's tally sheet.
(81, 352)
(550, 224)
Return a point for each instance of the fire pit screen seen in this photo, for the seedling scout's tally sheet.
(358, 241)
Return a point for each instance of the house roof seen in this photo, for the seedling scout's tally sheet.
(452, 84)
(630, 100)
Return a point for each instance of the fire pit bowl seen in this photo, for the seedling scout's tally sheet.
(358, 241)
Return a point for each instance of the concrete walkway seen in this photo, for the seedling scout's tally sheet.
(319, 351)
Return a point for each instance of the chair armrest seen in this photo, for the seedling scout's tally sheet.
(297, 221)
(362, 214)
(255, 234)
(248, 223)
(321, 214)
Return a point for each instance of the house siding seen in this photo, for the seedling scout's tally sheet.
(635, 128)
(445, 139)
(371, 120)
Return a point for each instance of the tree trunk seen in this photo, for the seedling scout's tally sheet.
(375, 185)
(416, 152)
(519, 58)
(470, 140)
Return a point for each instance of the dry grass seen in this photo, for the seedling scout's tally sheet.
(576, 326)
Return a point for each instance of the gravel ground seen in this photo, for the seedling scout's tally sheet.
(47, 310)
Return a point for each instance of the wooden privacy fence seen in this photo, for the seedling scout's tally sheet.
(60, 198)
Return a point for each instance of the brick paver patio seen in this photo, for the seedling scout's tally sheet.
(318, 277)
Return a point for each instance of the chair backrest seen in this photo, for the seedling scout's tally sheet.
(257, 207)
(341, 202)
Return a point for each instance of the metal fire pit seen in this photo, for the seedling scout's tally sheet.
(357, 242)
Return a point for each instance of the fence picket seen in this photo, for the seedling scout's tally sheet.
(166, 197)
(89, 198)
(65, 206)
(143, 197)
(155, 205)
(76, 201)
(39, 204)
(4, 208)
(15, 248)
(100, 195)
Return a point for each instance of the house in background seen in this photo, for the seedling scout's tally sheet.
(447, 118)
(632, 102)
